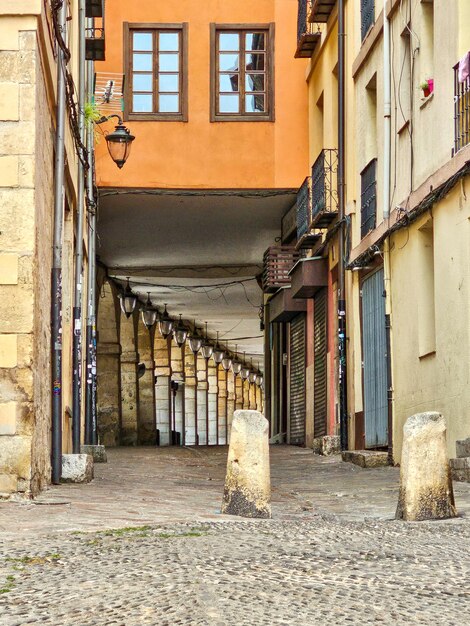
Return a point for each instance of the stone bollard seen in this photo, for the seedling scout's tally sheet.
(425, 482)
(77, 468)
(247, 489)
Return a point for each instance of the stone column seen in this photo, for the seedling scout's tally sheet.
(190, 396)
(202, 387)
(162, 391)
(239, 394)
(147, 430)
(246, 396)
(213, 410)
(129, 384)
(425, 482)
(252, 397)
(230, 401)
(177, 375)
(247, 489)
(222, 403)
(108, 367)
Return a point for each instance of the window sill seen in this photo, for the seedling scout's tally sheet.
(242, 118)
(155, 117)
(424, 101)
(427, 355)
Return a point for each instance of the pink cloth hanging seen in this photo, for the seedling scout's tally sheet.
(464, 68)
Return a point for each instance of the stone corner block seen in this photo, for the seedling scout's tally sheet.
(247, 490)
(8, 484)
(366, 458)
(9, 170)
(463, 448)
(97, 452)
(9, 102)
(426, 491)
(77, 468)
(331, 444)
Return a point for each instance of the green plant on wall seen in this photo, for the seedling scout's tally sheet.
(91, 112)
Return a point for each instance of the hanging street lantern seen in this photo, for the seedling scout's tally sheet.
(218, 353)
(128, 300)
(119, 142)
(252, 377)
(195, 340)
(165, 324)
(207, 347)
(236, 365)
(259, 379)
(180, 333)
(245, 371)
(227, 361)
(149, 313)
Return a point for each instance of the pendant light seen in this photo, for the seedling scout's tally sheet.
(245, 371)
(236, 365)
(149, 313)
(195, 340)
(207, 347)
(227, 360)
(218, 353)
(128, 300)
(165, 324)
(259, 377)
(180, 333)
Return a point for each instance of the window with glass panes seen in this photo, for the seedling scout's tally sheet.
(156, 67)
(242, 74)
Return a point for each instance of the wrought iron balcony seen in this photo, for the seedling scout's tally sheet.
(321, 10)
(325, 188)
(277, 262)
(94, 8)
(367, 16)
(306, 236)
(461, 111)
(307, 35)
(94, 37)
(368, 198)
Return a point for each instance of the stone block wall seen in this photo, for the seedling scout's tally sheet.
(26, 133)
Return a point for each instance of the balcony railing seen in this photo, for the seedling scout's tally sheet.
(321, 10)
(325, 188)
(367, 16)
(277, 262)
(306, 236)
(368, 198)
(461, 111)
(307, 35)
(94, 37)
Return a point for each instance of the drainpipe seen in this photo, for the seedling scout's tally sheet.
(91, 431)
(56, 276)
(342, 382)
(77, 308)
(386, 216)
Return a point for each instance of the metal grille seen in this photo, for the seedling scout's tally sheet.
(303, 25)
(304, 208)
(277, 262)
(307, 36)
(320, 404)
(324, 185)
(368, 198)
(367, 16)
(374, 341)
(461, 111)
(297, 381)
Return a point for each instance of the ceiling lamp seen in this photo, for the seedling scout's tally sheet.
(180, 333)
(252, 377)
(245, 371)
(259, 379)
(149, 313)
(128, 300)
(165, 324)
(227, 361)
(195, 340)
(207, 347)
(236, 365)
(218, 353)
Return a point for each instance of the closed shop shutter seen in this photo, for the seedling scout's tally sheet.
(297, 381)
(320, 397)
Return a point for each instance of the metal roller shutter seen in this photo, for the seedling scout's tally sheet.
(320, 345)
(297, 381)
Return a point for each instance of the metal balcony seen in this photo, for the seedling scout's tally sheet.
(461, 111)
(307, 35)
(321, 10)
(306, 236)
(325, 188)
(367, 16)
(277, 263)
(94, 37)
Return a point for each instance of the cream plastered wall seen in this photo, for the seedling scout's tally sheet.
(439, 380)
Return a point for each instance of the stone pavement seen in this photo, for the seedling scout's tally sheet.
(150, 548)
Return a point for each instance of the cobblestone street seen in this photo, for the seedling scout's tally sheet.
(92, 555)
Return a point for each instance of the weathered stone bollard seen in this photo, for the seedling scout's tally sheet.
(425, 482)
(77, 468)
(247, 489)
